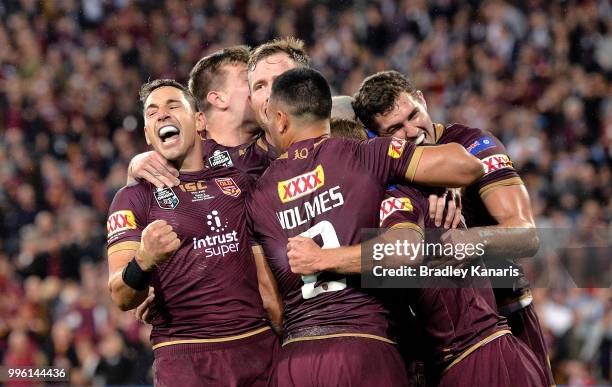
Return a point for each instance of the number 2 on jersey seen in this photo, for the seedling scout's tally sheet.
(330, 240)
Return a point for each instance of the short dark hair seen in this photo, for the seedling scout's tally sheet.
(377, 95)
(151, 86)
(305, 91)
(343, 128)
(208, 73)
(293, 47)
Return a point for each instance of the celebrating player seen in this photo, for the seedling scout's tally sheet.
(496, 207)
(334, 333)
(189, 243)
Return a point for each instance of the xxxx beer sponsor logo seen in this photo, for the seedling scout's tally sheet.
(496, 162)
(120, 221)
(299, 186)
(396, 148)
(391, 205)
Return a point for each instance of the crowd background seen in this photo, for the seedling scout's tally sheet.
(536, 73)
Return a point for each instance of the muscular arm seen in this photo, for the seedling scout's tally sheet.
(306, 258)
(123, 296)
(448, 165)
(514, 236)
(268, 290)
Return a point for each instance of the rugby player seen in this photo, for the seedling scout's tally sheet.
(497, 209)
(191, 245)
(334, 333)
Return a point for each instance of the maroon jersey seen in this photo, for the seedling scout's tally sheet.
(252, 158)
(456, 320)
(327, 189)
(499, 171)
(208, 289)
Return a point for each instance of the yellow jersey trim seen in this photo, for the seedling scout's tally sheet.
(497, 184)
(414, 163)
(474, 347)
(410, 225)
(217, 340)
(323, 337)
(129, 245)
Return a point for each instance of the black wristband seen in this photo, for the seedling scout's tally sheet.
(135, 277)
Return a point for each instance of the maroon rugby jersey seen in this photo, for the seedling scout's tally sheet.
(499, 171)
(327, 189)
(208, 289)
(252, 158)
(454, 319)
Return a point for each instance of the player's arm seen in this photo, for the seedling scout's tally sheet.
(154, 168)
(268, 290)
(306, 257)
(515, 235)
(448, 165)
(130, 269)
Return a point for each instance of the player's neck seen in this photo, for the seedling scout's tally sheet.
(308, 131)
(193, 161)
(228, 130)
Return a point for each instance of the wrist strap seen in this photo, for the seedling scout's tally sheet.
(135, 277)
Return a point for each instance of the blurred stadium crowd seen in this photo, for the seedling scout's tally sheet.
(534, 72)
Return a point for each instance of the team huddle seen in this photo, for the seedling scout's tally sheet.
(238, 237)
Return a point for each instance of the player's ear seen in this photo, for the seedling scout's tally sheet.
(200, 121)
(217, 99)
(283, 121)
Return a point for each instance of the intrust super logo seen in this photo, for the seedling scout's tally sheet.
(120, 221)
(299, 186)
(391, 205)
(495, 162)
(396, 147)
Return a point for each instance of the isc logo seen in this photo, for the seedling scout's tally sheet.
(120, 221)
(391, 205)
(193, 186)
(299, 186)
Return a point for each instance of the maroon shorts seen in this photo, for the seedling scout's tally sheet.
(504, 362)
(340, 361)
(526, 326)
(242, 362)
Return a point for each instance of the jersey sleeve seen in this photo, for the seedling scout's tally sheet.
(403, 207)
(499, 170)
(126, 220)
(390, 158)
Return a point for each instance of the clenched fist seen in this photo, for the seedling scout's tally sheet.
(158, 243)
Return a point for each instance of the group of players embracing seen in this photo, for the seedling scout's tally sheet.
(239, 236)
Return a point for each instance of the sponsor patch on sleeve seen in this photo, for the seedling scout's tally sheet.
(392, 205)
(120, 221)
(484, 142)
(396, 147)
(496, 162)
(301, 185)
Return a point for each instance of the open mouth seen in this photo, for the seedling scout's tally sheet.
(169, 133)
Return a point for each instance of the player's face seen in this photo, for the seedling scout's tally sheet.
(261, 79)
(237, 89)
(276, 122)
(407, 120)
(170, 123)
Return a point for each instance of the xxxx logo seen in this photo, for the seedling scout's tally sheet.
(391, 205)
(120, 221)
(496, 162)
(299, 186)
(396, 148)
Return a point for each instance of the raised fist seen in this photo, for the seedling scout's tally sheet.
(158, 243)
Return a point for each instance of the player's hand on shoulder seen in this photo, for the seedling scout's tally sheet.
(158, 243)
(154, 168)
(304, 255)
(449, 200)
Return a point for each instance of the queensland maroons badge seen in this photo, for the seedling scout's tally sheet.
(166, 198)
(228, 186)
